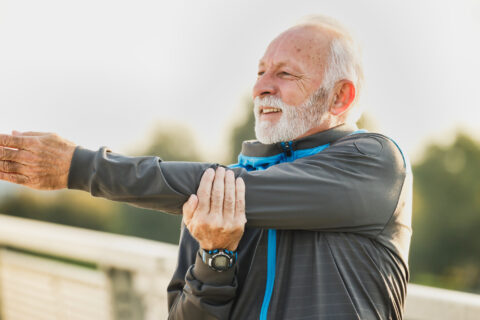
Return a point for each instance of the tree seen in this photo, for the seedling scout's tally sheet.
(171, 142)
(243, 130)
(446, 217)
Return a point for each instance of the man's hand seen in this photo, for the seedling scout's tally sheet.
(35, 159)
(216, 219)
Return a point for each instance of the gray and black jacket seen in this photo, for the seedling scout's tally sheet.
(327, 236)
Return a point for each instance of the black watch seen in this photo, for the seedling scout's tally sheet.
(219, 259)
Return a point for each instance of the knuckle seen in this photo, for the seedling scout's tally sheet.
(8, 166)
(217, 225)
(240, 203)
(202, 224)
(4, 140)
(229, 202)
(217, 197)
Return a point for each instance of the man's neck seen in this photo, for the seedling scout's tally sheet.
(327, 125)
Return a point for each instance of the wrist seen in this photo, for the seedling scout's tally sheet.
(205, 274)
(219, 260)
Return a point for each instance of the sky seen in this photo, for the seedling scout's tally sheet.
(104, 72)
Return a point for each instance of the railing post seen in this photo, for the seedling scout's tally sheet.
(126, 302)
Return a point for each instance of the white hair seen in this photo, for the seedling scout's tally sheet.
(344, 61)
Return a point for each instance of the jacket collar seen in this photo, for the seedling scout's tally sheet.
(253, 148)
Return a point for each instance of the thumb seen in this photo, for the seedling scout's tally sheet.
(189, 208)
(16, 133)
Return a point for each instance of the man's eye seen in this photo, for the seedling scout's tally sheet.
(284, 73)
(260, 73)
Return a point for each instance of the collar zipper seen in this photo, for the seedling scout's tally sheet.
(287, 148)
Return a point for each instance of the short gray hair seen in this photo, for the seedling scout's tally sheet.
(344, 61)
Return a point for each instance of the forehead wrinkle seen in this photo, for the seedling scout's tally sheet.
(304, 46)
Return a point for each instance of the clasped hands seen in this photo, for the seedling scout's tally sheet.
(215, 216)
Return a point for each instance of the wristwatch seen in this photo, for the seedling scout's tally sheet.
(219, 259)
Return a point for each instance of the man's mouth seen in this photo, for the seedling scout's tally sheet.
(266, 110)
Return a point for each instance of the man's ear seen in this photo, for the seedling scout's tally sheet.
(344, 94)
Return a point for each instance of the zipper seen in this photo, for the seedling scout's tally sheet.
(287, 148)
(271, 264)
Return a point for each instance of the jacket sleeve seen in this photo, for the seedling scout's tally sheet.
(196, 291)
(352, 186)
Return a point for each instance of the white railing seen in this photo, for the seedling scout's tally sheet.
(432, 303)
(55, 272)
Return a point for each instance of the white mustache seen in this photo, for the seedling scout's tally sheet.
(269, 101)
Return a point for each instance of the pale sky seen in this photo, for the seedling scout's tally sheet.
(105, 72)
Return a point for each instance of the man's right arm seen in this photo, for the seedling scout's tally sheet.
(352, 186)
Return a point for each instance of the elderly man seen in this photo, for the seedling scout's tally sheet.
(328, 207)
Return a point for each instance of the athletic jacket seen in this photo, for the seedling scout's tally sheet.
(327, 235)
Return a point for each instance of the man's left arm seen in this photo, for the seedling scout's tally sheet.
(215, 218)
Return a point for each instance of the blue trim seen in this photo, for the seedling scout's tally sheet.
(262, 163)
(406, 161)
(271, 263)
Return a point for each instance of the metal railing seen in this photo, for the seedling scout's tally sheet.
(55, 272)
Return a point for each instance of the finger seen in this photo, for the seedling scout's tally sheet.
(16, 155)
(218, 190)
(189, 209)
(240, 199)
(29, 133)
(17, 142)
(14, 178)
(229, 198)
(204, 191)
(12, 167)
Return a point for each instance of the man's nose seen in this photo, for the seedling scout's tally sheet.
(264, 86)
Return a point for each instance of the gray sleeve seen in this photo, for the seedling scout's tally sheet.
(196, 291)
(352, 186)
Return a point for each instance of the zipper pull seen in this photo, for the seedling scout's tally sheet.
(287, 148)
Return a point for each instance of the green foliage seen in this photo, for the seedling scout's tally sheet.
(172, 142)
(82, 210)
(367, 122)
(446, 241)
(243, 130)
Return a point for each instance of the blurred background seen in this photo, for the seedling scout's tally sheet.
(174, 78)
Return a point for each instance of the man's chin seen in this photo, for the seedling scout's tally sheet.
(267, 136)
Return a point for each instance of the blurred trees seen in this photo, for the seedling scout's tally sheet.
(445, 248)
(78, 208)
(243, 130)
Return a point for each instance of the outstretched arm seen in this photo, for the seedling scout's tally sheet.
(352, 186)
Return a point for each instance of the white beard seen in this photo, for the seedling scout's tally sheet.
(294, 121)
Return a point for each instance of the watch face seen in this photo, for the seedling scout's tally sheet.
(221, 262)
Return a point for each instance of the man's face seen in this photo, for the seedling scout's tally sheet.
(289, 77)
